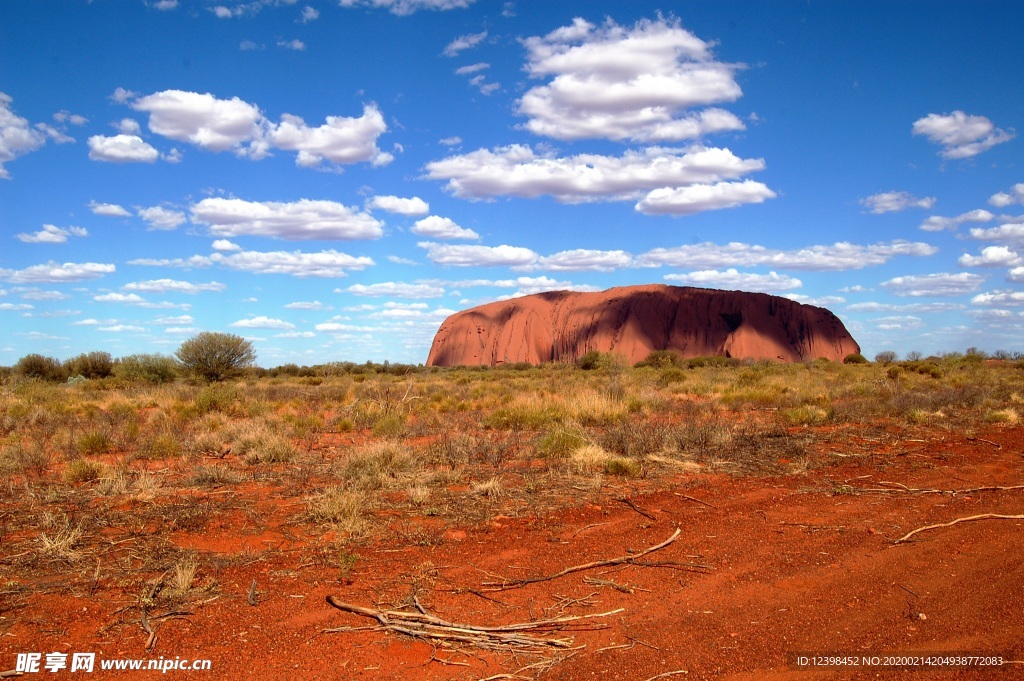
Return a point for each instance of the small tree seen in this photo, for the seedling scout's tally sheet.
(215, 356)
(41, 367)
(91, 365)
(885, 357)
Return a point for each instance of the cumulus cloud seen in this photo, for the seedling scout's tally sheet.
(329, 263)
(991, 256)
(407, 7)
(17, 136)
(942, 284)
(1004, 199)
(463, 42)
(400, 206)
(999, 297)
(309, 14)
(121, 328)
(109, 209)
(262, 322)
(937, 223)
(698, 198)
(894, 202)
(296, 221)
(627, 83)
(479, 256)
(217, 125)
(174, 321)
(837, 257)
(52, 272)
(126, 298)
(1012, 232)
(307, 305)
(339, 140)
(909, 307)
(121, 149)
(437, 227)
(961, 135)
(173, 285)
(734, 279)
(295, 45)
(51, 234)
(517, 170)
(396, 289)
(585, 259)
(159, 218)
(225, 245)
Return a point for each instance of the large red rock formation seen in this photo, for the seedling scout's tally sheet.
(632, 321)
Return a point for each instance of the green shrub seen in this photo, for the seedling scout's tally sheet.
(83, 470)
(623, 467)
(661, 359)
(855, 358)
(146, 368)
(216, 356)
(94, 443)
(91, 365)
(43, 368)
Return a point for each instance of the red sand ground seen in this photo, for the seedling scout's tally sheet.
(794, 567)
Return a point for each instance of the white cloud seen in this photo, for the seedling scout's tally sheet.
(339, 140)
(396, 289)
(51, 234)
(1015, 275)
(942, 284)
(401, 261)
(1012, 232)
(585, 259)
(452, 141)
(437, 227)
(329, 263)
(299, 220)
(15, 307)
(52, 272)
(126, 298)
(733, 279)
(225, 245)
(697, 198)
(262, 322)
(309, 14)
(295, 334)
(464, 42)
(122, 96)
(1000, 297)
(817, 301)
(894, 202)
(937, 223)
(991, 256)
(479, 256)
(109, 209)
(36, 294)
(400, 206)
(128, 126)
(406, 7)
(472, 68)
(961, 135)
(517, 170)
(837, 257)
(121, 328)
(249, 46)
(295, 45)
(165, 5)
(619, 83)
(17, 137)
(910, 307)
(1004, 199)
(204, 120)
(311, 305)
(896, 323)
(121, 149)
(160, 218)
(173, 285)
(174, 321)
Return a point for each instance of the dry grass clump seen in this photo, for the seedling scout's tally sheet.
(60, 537)
(380, 465)
(591, 459)
(492, 488)
(561, 441)
(259, 442)
(346, 509)
(83, 470)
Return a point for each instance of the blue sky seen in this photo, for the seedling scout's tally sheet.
(332, 179)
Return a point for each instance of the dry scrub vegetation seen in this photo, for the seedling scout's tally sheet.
(111, 485)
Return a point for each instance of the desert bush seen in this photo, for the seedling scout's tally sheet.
(885, 357)
(143, 368)
(379, 465)
(162, 446)
(623, 467)
(212, 475)
(40, 367)
(855, 358)
(91, 365)
(216, 356)
(93, 443)
(83, 470)
(561, 442)
(661, 359)
(347, 509)
(635, 438)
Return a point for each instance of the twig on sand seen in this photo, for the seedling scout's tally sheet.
(423, 625)
(636, 508)
(983, 516)
(684, 496)
(667, 674)
(519, 583)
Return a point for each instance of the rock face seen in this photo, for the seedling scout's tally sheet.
(633, 321)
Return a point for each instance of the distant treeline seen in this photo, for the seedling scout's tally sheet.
(158, 368)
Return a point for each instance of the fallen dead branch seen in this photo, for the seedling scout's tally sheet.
(423, 625)
(684, 496)
(636, 508)
(900, 488)
(984, 516)
(519, 583)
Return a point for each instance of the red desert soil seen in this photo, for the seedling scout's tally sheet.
(804, 563)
